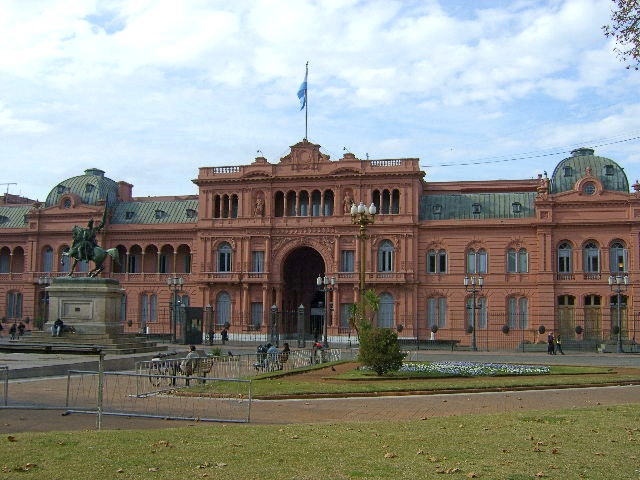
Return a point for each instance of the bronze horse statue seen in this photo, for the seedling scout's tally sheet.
(95, 254)
(85, 248)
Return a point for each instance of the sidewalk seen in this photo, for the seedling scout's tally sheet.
(28, 365)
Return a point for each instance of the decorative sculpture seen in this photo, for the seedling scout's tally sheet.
(85, 247)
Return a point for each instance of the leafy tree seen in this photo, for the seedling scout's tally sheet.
(379, 350)
(625, 30)
(361, 319)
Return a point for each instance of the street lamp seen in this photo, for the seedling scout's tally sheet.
(362, 217)
(473, 284)
(326, 285)
(175, 284)
(619, 284)
(275, 337)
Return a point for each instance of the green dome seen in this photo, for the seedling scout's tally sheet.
(572, 169)
(90, 187)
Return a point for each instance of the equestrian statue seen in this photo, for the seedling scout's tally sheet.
(85, 247)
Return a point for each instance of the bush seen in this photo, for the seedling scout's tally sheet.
(380, 351)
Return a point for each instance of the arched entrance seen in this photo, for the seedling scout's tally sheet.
(299, 272)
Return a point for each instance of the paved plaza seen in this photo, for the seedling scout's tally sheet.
(357, 409)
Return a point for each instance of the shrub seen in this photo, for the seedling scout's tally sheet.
(380, 351)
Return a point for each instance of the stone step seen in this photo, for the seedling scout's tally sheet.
(110, 343)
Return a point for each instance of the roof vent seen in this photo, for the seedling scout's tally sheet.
(582, 152)
(94, 171)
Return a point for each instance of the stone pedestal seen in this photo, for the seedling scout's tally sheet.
(90, 305)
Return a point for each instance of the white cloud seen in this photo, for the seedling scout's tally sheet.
(173, 86)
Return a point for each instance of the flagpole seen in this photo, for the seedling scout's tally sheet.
(306, 102)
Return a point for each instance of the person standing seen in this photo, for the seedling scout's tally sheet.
(559, 345)
(551, 350)
(13, 331)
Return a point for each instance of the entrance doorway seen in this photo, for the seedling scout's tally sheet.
(299, 272)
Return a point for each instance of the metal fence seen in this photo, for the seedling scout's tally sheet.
(164, 369)
(138, 395)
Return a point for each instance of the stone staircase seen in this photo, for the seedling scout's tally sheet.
(111, 343)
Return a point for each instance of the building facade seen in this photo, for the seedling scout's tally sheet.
(537, 254)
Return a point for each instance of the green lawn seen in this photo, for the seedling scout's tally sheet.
(592, 443)
(358, 381)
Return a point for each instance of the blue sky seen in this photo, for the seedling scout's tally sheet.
(151, 90)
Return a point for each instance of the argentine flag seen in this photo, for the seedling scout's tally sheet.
(302, 91)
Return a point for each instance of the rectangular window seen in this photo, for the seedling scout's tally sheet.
(523, 261)
(345, 314)
(4, 263)
(591, 260)
(347, 261)
(132, 266)
(123, 308)
(437, 312)
(163, 264)
(480, 313)
(14, 305)
(512, 261)
(257, 261)
(518, 312)
(224, 261)
(256, 313)
(564, 262)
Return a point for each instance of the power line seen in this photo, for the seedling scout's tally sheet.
(532, 155)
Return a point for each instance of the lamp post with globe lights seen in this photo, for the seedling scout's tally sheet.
(363, 217)
(326, 285)
(473, 284)
(618, 284)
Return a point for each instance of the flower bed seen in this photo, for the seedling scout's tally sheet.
(472, 369)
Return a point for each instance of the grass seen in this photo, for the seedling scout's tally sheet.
(590, 443)
(363, 382)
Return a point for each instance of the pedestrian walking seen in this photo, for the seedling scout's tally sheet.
(551, 348)
(559, 345)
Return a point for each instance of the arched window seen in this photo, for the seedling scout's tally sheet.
(225, 258)
(565, 265)
(385, 257)
(617, 258)
(223, 309)
(517, 260)
(477, 261)
(437, 261)
(385, 312)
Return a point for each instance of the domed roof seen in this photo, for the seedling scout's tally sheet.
(90, 187)
(583, 162)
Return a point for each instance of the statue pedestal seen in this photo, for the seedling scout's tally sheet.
(90, 305)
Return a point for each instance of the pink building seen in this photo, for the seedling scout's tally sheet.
(250, 246)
